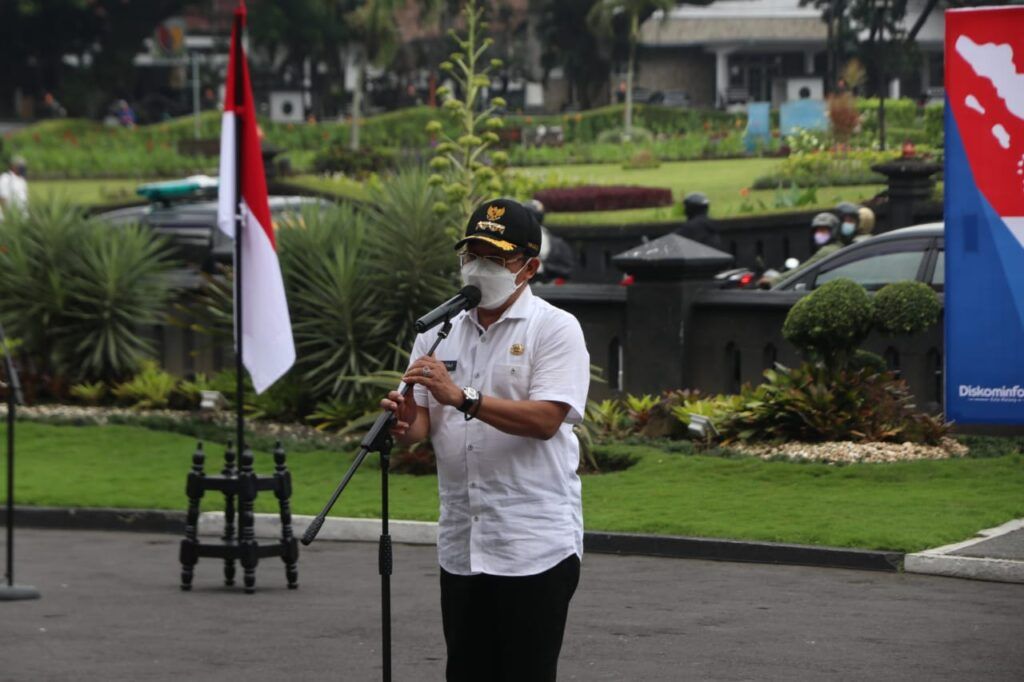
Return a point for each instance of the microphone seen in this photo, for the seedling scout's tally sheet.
(467, 298)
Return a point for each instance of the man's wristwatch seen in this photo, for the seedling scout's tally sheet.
(470, 402)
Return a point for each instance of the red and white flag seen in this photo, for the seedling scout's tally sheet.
(267, 346)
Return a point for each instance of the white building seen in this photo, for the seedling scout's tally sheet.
(759, 50)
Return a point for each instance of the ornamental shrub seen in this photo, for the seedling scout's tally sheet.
(338, 158)
(603, 198)
(831, 322)
(899, 113)
(906, 308)
(934, 123)
(810, 403)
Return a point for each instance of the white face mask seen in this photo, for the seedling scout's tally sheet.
(496, 284)
(848, 229)
(821, 238)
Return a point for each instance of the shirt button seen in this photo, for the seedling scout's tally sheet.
(469, 447)
(472, 484)
(476, 518)
(477, 375)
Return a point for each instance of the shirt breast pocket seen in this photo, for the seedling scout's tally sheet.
(511, 381)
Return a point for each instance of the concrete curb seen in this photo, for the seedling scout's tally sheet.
(942, 561)
(268, 526)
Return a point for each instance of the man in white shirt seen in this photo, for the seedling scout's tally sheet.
(14, 187)
(498, 399)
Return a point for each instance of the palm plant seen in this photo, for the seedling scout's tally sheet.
(80, 293)
(117, 288)
(35, 266)
(410, 255)
(335, 307)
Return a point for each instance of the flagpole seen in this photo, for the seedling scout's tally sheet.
(239, 97)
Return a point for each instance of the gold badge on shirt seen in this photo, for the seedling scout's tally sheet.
(517, 349)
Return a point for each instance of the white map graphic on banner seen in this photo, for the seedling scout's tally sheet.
(994, 63)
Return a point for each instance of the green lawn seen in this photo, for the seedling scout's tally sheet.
(905, 507)
(86, 192)
(722, 180)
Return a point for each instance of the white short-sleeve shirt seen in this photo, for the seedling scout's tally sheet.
(13, 191)
(510, 505)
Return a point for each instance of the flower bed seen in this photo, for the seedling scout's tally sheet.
(603, 198)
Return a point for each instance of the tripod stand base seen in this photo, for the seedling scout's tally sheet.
(18, 592)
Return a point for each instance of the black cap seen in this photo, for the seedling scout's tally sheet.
(504, 223)
(825, 220)
(696, 199)
(847, 208)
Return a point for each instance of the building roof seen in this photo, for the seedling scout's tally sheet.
(738, 22)
(703, 31)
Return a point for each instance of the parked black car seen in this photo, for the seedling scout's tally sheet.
(191, 225)
(911, 253)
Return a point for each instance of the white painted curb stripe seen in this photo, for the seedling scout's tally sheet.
(940, 561)
(999, 570)
(268, 526)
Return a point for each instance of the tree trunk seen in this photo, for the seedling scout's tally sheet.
(357, 100)
(627, 132)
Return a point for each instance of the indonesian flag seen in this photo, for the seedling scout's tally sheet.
(266, 330)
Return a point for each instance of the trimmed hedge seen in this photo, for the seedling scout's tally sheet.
(603, 198)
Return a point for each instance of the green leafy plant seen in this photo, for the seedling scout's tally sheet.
(810, 403)
(81, 310)
(150, 389)
(829, 324)
(607, 419)
(90, 393)
(191, 391)
(906, 308)
(639, 409)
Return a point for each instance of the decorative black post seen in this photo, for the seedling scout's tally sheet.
(911, 184)
(283, 492)
(229, 472)
(190, 545)
(248, 550)
(669, 272)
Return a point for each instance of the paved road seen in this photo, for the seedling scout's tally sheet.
(111, 610)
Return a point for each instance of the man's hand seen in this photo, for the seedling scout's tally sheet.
(433, 375)
(404, 408)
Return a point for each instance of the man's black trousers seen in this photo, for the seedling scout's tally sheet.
(506, 629)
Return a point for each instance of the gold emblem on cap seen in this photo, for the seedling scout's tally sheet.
(517, 349)
(495, 212)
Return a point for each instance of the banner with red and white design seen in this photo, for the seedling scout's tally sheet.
(984, 236)
(268, 350)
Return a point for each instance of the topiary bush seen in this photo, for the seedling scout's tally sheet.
(830, 323)
(906, 308)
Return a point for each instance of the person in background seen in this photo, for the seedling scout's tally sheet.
(865, 224)
(849, 219)
(52, 108)
(824, 230)
(124, 114)
(556, 258)
(698, 226)
(14, 186)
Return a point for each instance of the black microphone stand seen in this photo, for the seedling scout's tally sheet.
(10, 591)
(377, 439)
